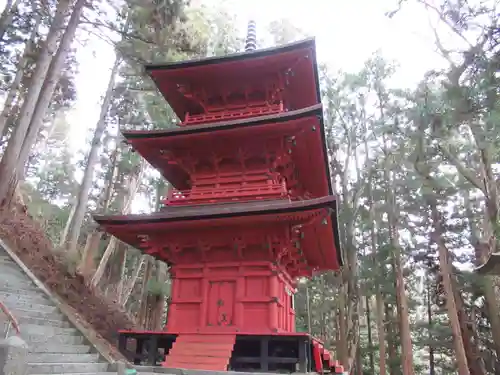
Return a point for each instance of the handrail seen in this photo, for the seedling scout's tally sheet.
(261, 191)
(12, 320)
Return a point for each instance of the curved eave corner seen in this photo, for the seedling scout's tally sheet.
(491, 266)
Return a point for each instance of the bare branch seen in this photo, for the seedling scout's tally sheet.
(464, 171)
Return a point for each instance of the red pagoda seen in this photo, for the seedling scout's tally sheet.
(250, 211)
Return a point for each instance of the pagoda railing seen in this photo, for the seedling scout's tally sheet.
(200, 195)
(228, 114)
(11, 320)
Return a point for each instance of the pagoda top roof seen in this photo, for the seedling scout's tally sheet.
(255, 54)
(210, 72)
(128, 228)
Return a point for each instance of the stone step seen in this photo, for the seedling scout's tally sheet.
(58, 348)
(11, 268)
(7, 260)
(47, 330)
(27, 320)
(20, 312)
(22, 292)
(22, 305)
(63, 357)
(10, 273)
(55, 347)
(25, 285)
(32, 298)
(53, 368)
(52, 339)
(17, 280)
(142, 369)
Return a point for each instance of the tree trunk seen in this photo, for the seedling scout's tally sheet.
(381, 334)
(13, 115)
(490, 299)
(485, 182)
(120, 262)
(65, 231)
(92, 159)
(142, 315)
(391, 339)
(133, 187)
(8, 14)
(16, 83)
(370, 339)
(470, 338)
(49, 86)
(99, 273)
(359, 363)
(133, 279)
(378, 295)
(159, 308)
(402, 302)
(431, 190)
(87, 265)
(342, 345)
(8, 165)
(11, 97)
(438, 238)
(432, 361)
(405, 332)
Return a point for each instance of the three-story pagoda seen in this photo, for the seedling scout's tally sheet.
(250, 210)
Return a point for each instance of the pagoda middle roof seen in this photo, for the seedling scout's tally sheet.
(316, 110)
(210, 72)
(152, 144)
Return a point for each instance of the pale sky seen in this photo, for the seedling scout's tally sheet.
(347, 33)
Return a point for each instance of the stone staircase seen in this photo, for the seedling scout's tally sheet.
(54, 346)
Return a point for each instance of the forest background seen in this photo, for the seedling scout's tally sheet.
(411, 102)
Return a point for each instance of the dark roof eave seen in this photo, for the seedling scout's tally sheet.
(336, 235)
(306, 43)
(220, 211)
(254, 121)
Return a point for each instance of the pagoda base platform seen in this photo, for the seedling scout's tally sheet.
(275, 353)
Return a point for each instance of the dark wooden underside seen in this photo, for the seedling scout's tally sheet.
(257, 353)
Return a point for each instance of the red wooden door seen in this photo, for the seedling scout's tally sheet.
(221, 295)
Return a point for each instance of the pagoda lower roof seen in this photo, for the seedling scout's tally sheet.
(170, 222)
(210, 72)
(310, 145)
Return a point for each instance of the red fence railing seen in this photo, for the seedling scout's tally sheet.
(12, 320)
